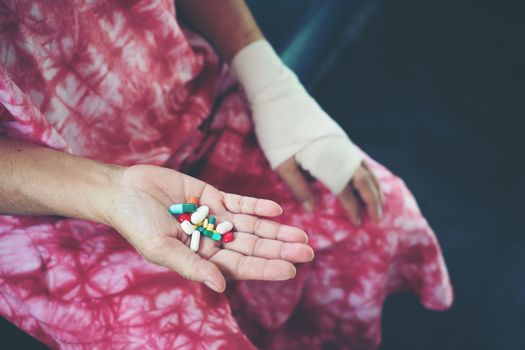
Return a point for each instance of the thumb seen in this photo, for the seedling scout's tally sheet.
(291, 174)
(173, 254)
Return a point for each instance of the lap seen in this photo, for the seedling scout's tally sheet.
(74, 284)
(355, 267)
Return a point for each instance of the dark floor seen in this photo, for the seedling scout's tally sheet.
(434, 89)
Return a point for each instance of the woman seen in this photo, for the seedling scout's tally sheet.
(88, 89)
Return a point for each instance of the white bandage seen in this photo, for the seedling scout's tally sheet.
(289, 122)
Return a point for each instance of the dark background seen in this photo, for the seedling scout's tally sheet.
(435, 90)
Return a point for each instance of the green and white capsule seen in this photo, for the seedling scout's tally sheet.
(212, 234)
(177, 209)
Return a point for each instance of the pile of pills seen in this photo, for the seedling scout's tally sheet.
(195, 222)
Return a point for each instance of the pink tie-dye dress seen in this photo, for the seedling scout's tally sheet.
(122, 82)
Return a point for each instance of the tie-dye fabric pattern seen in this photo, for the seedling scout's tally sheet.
(122, 82)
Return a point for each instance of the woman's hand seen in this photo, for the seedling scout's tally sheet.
(36, 180)
(296, 134)
(361, 193)
(261, 250)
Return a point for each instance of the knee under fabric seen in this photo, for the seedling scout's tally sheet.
(289, 122)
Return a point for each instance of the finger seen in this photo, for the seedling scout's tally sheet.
(291, 174)
(351, 204)
(375, 180)
(173, 254)
(268, 229)
(243, 267)
(251, 206)
(251, 245)
(368, 192)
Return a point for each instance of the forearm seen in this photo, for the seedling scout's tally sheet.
(35, 180)
(227, 24)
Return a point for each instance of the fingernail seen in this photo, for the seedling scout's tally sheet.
(308, 206)
(212, 286)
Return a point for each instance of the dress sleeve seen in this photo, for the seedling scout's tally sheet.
(20, 118)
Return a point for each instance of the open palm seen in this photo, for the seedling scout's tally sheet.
(262, 249)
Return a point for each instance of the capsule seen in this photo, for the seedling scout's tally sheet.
(184, 217)
(212, 234)
(177, 209)
(211, 220)
(224, 227)
(195, 239)
(227, 237)
(201, 213)
(194, 200)
(205, 223)
(187, 227)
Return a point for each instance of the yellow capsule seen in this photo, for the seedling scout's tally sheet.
(210, 227)
(205, 223)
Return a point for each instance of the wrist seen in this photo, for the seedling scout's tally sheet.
(102, 186)
(257, 66)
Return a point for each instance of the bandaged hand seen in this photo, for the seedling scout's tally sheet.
(294, 133)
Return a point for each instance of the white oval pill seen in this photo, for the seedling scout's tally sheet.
(201, 213)
(187, 227)
(224, 227)
(195, 239)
